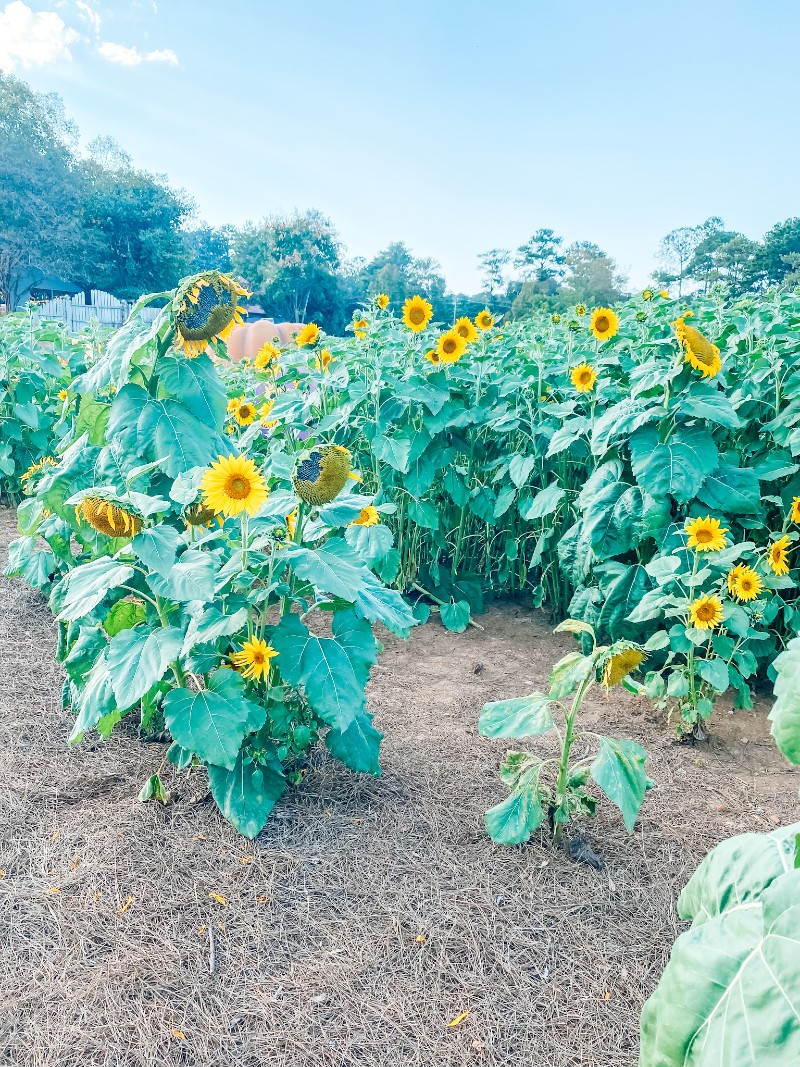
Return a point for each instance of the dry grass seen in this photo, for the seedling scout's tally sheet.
(370, 912)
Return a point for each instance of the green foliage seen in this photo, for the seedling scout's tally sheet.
(556, 787)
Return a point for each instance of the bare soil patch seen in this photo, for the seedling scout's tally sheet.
(369, 913)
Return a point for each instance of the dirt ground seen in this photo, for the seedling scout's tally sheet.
(370, 912)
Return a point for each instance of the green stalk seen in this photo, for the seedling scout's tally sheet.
(566, 745)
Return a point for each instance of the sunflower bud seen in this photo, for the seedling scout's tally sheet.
(321, 474)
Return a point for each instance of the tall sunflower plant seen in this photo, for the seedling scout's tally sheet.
(221, 599)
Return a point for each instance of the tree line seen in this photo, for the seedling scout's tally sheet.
(96, 220)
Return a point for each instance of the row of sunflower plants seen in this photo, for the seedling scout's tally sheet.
(38, 361)
(212, 594)
(620, 467)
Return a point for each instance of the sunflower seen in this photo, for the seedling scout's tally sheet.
(253, 660)
(368, 516)
(291, 522)
(321, 474)
(778, 557)
(108, 518)
(198, 514)
(451, 346)
(308, 335)
(484, 320)
(795, 513)
(647, 294)
(664, 294)
(620, 664)
(206, 307)
(747, 585)
(433, 356)
(360, 327)
(382, 300)
(323, 360)
(706, 535)
(697, 349)
(63, 395)
(242, 410)
(465, 328)
(233, 484)
(267, 354)
(583, 377)
(417, 313)
(706, 612)
(733, 577)
(556, 318)
(580, 310)
(264, 415)
(604, 323)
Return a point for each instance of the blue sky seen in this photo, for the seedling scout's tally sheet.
(454, 126)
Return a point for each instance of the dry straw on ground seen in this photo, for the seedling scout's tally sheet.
(371, 913)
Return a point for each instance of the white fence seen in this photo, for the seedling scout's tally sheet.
(76, 314)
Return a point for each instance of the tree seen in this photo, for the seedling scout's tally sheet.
(677, 248)
(591, 276)
(492, 265)
(39, 191)
(539, 259)
(782, 241)
(396, 272)
(210, 247)
(291, 263)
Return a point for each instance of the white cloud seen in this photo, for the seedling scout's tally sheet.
(88, 14)
(132, 57)
(32, 39)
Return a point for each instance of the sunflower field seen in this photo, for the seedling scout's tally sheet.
(634, 470)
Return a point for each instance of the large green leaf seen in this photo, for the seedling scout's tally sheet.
(513, 820)
(138, 658)
(545, 502)
(677, 467)
(707, 402)
(618, 769)
(333, 671)
(157, 548)
(518, 717)
(785, 713)
(88, 584)
(214, 722)
(247, 792)
(191, 578)
(622, 596)
(334, 568)
(196, 384)
(730, 993)
(94, 701)
(358, 747)
(731, 490)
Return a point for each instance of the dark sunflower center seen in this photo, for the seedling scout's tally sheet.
(703, 536)
(197, 315)
(705, 612)
(416, 315)
(449, 345)
(237, 487)
(602, 323)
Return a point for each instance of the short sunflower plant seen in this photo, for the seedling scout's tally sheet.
(554, 786)
(215, 596)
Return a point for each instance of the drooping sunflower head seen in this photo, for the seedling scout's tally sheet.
(604, 323)
(382, 301)
(360, 327)
(706, 535)
(34, 470)
(647, 294)
(321, 474)
(206, 308)
(795, 512)
(778, 556)
(583, 377)
(232, 485)
(705, 613)
(253, 659)
(465, 328)
(242, 410)
(484, 320)
(266, 355)
(745, 582)
(324, 360)
(580, 310)
(698, 351)
(198, 514)
(624, 657)
(417, 313)
(308, 335)
(450, 347)
(368, 516)
(264, 414)
(107, 517)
